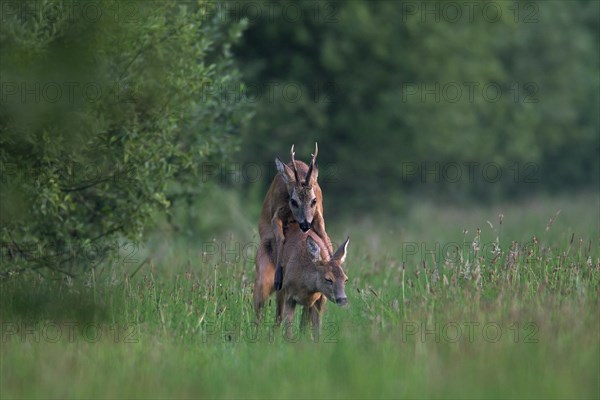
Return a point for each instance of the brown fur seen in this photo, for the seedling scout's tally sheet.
(311, 277)
(275, 217)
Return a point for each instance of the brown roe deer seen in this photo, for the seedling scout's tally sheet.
(311, 277)
(294, 196)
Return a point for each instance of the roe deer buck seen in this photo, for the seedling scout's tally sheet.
(294, 196)
(309, 278)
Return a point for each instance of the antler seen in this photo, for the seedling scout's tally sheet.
(312, 164)
(294, 163)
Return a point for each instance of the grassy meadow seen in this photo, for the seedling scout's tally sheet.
(498, 301)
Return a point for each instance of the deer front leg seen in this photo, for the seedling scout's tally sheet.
(280, 301)
(318, 226)
(316, 312)
(277, 225)
(289, 309)
(304, 321)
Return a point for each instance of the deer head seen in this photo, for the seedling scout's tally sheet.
(331, 279)
(300, 186)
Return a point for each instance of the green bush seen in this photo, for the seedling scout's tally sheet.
(107, 116)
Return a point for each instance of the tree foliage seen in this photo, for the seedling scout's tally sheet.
(406, 89)
(107, 116)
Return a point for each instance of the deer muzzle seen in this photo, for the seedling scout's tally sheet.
(341, 301)
(305, 226)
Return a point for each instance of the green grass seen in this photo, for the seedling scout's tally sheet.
(427, 324)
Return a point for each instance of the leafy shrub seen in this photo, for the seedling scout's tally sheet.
(107, 115)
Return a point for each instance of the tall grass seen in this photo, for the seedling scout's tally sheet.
(446, 302)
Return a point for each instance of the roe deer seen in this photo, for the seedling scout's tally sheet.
(310, 279)
(294, 196)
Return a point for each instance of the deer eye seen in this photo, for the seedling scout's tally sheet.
(329, 281)
(294, 203)
(313, 202)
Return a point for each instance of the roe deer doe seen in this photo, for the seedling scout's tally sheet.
(310, 278)
(294, 196)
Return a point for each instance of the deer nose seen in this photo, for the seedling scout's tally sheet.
(341, 301)
(305, 226)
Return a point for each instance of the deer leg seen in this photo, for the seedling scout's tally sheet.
(289, 309)
(304, 321)
(278, 279)
(280, 296)
(263, 284)
(277, 225)
(318, 226)
(316, 312)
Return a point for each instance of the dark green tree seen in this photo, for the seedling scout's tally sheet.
(392, 90)
(107, 115)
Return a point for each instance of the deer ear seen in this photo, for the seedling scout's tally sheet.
(315, 174)
(286, 172)
(313, 249)
(340, 253)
